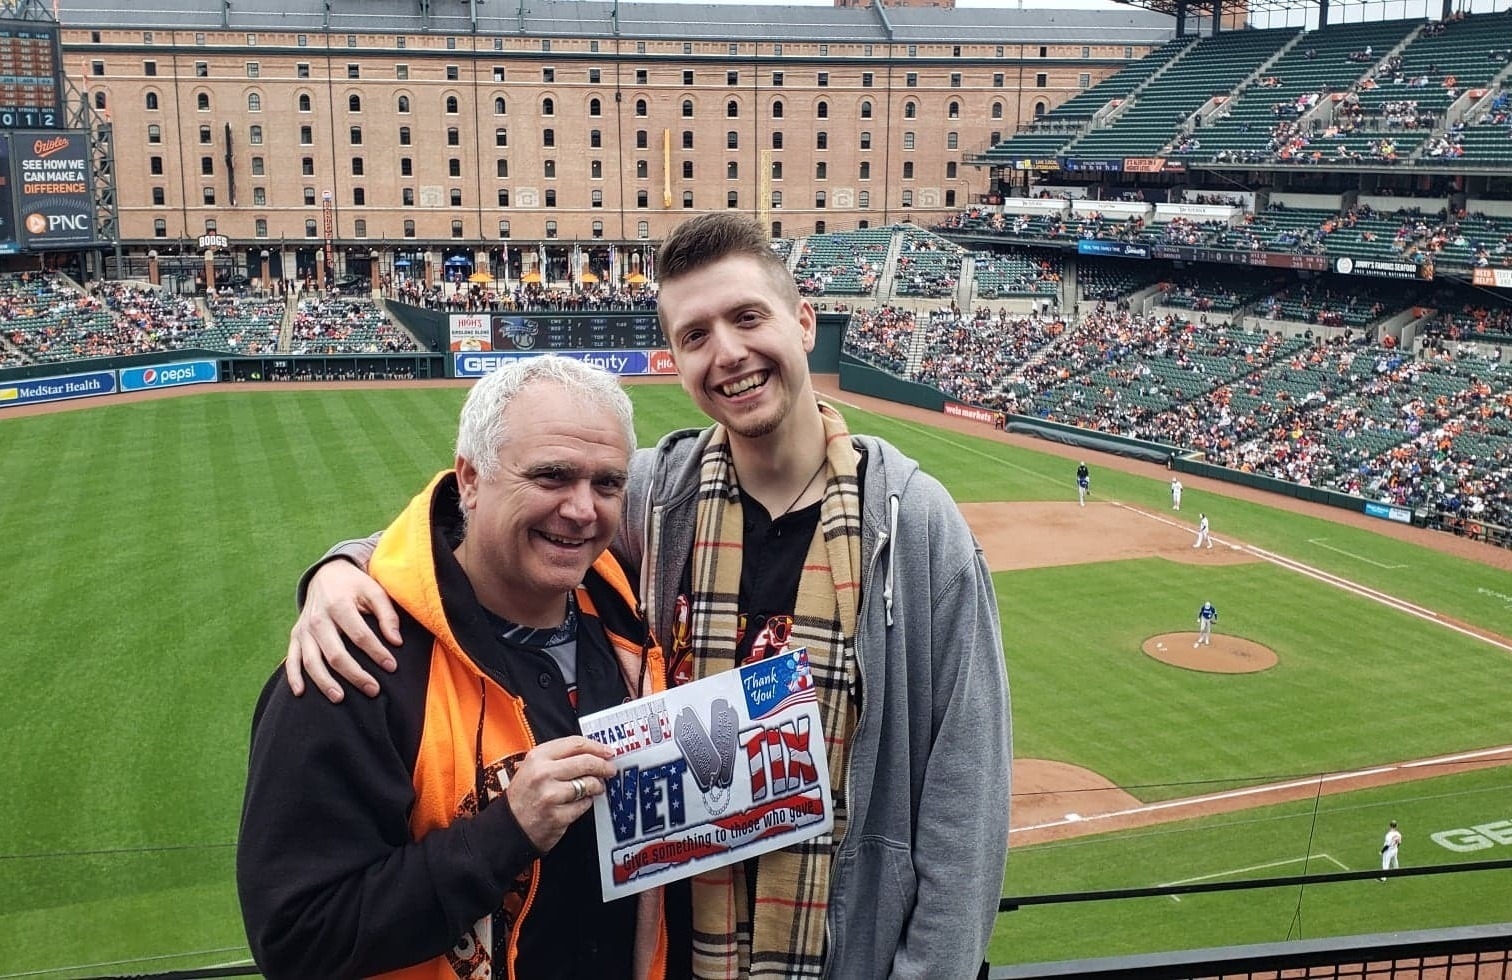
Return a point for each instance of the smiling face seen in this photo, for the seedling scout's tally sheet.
(551, 507)
(740, 344)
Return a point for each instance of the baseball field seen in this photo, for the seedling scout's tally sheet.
(1356, 677)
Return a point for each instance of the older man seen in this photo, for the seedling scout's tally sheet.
(439, 830)
(775, 529)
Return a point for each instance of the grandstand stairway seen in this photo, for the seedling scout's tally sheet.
(890, 268)
(966, 288)
(795, 255)
(286, 332)
(918, 346)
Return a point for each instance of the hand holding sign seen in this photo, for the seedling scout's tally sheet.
(681, 805)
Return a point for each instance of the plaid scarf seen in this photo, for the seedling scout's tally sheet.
(783, 936)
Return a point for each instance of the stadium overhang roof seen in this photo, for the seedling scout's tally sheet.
(1239, 10)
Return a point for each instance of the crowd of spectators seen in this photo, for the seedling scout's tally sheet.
(346, 326)
(1431, 433)
(480, 298)
(47, 320)
(248, 325)
(881, 335)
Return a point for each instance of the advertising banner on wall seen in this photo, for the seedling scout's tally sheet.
(54, 205)
(1500, 278)
(169, 375)
(471, 332)
(63, 387)
(618, 362)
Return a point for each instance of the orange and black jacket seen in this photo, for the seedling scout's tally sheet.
(364, 849)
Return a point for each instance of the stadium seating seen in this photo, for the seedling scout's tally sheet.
(245, 326)
(881, 336)
(1016, 273)
(346, 326)
(1049, 134)
(846, 263)
(48, 321)
(1212, 67)
(928, 265)
(1113, 279)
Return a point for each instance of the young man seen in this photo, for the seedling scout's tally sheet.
(440, 830)
(1083, 483)
(775, 529)
(1202, 532)
(1175, 493)
(1389, 848)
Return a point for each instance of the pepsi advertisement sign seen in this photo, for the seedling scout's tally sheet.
(61, 388)
(169, 375)
(618, 362)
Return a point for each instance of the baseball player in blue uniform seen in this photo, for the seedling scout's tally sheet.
(1083, 483)
(1206, 617)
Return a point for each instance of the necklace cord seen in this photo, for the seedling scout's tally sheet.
(822, 463)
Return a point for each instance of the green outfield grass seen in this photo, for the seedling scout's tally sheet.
(154, 546)
(1324, 835)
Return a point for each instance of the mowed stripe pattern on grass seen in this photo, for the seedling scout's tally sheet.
(154, 547)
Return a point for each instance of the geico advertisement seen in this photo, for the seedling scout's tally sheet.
(620, 362)
(53, 205)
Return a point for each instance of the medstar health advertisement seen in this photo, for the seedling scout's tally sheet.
(711, 773)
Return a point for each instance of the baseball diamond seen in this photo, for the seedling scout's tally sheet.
(1129, 771)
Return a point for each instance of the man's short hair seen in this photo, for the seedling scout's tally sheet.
(709, 238)
(481, 430)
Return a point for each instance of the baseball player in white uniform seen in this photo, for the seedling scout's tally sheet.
(1175, 494)
(1202, 532)
(1206, 617)
(1389, 848)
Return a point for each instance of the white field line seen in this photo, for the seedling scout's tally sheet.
(1224, 874)
(1339, 582)
(1369, 561)
(1254, 867)
(116, 963)
(1267, 788)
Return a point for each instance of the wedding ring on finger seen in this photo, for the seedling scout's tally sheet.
(579, 789)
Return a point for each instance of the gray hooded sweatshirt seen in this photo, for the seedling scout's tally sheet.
(916, 882)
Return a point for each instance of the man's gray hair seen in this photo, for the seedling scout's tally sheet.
(482, 430)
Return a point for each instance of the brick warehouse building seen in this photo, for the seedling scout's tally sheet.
(427, 133)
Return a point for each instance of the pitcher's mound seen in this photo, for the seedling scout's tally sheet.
(1226, 654)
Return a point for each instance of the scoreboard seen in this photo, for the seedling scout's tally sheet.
(31, 90)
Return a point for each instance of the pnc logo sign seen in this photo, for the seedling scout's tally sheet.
(42, 224)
